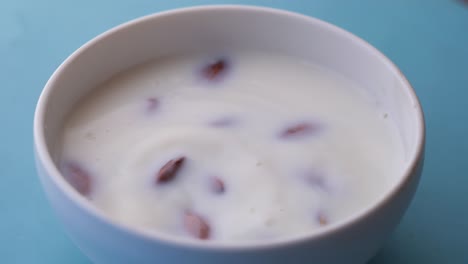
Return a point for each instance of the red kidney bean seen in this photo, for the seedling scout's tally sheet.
(168, 172)
(196, 226)
(215, 70)
(217, 185)
(300, 130)
(78, 177)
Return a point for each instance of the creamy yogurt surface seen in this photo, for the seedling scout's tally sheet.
(244, 146)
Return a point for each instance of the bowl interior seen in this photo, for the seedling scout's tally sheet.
(218, 29)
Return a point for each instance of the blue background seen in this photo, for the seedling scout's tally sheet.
(427, 39)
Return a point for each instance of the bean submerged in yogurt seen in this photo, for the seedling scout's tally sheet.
(196, 225)
(224, 122)
(152, 104)
(215, 70)
(317, 179)
(169, 171)
(217, 185)
(78, 177)
(300, 130)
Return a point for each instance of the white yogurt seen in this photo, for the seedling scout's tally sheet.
(244, 177)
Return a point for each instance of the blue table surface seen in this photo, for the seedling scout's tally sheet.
(427, 39)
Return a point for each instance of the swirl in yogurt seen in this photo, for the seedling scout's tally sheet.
(248, 146)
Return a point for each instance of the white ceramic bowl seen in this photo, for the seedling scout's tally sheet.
(351, 241)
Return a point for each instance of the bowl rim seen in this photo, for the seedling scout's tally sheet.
(44, 157)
